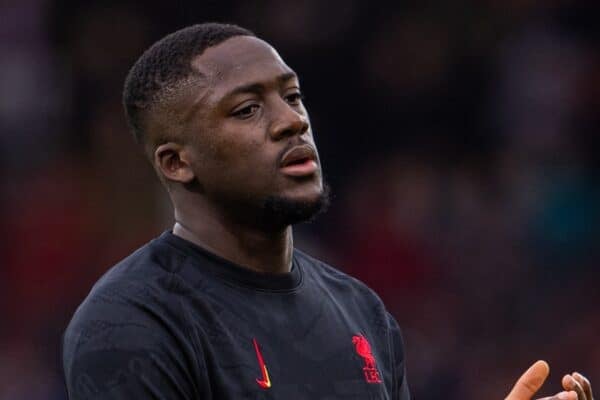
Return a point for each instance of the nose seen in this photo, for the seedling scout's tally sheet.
(287, 121)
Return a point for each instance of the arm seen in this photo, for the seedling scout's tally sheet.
(128, 350)
(123, 374)
(400, 389)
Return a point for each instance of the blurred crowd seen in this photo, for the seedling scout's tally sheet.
(460, 139)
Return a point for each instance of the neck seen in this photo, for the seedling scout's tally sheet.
(250, 247)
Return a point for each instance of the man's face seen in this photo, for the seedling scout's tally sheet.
(248, 132)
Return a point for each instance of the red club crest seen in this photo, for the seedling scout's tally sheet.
(363, 349)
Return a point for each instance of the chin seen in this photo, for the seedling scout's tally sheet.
(288, 209)
(308, 191)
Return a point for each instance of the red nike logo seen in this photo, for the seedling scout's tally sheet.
(265, 382)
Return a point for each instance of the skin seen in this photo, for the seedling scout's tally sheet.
(237, 119)
(576, 386)
(241, 115)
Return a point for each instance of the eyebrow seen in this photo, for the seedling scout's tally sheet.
(260, 87)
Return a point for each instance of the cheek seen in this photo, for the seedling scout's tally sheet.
(233, 152)
(239, 153)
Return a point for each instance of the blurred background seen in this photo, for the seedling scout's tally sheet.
(460, 138)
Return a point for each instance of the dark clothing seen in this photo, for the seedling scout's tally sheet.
(173, 321)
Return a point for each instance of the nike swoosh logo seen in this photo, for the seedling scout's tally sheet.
(265, 382)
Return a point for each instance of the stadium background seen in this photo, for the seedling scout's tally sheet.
(460, 138)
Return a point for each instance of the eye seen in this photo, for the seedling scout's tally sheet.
(294, 98)
(246, 112)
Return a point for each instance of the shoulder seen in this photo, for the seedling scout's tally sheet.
(131, 298)
(147, 273)
(349, 290)
(332, 278)
(131, 316)
(154, 259)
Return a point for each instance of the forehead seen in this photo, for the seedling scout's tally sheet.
(239, 61)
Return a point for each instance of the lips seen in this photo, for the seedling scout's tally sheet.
(297, 155)
(299, 161)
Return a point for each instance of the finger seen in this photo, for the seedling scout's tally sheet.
(585, 383)
(569, 383)
(566, 395)
(530, 382)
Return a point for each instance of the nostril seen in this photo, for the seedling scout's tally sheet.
(290, 125)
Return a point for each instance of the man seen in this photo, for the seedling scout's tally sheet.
(223, 306)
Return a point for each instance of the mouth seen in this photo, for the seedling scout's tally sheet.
(299, 161)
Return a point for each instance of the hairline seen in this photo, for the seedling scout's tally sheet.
(139, 110)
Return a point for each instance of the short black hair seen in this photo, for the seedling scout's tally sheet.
(166, 63)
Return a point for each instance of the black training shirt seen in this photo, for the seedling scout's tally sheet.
(173, 321)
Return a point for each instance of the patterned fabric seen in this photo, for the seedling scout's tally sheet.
(173, 321)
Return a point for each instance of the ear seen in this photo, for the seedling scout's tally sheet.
(172, 160)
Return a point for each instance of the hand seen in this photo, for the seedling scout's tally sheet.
(578, 383)
(533, 379)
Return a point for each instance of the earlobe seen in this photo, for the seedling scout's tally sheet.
(171, 161)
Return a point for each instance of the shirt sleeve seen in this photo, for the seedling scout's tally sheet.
(115, 348)
(400, 389)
